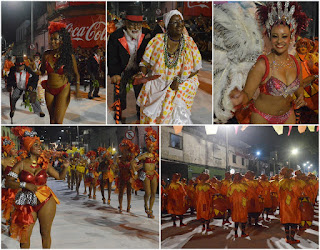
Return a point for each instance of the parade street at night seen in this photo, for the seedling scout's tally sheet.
(270, 235)
(79, 111)
(82, 223)
(202, 106)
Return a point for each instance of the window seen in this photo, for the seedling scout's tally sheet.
(234, 158)
(176, 141)
(242, 161)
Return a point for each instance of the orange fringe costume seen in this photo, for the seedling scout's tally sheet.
(92, 169)
(274, 189)
(22, 216)
(191, 192)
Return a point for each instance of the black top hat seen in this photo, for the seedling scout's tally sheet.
(19, 61)
(160, 18)
(134, 13)
(37, 54)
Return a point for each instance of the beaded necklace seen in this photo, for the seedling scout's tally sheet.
(172, 61)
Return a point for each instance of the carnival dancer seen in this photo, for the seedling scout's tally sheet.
(225, 184)
(204, 207)
(255, 204)
(94, 70)
(290, 216)
(191, 194)
(36, 200)
(274, 189)
(239, 197)
(23, 79)
(314, 182)
(6, 68)
(278, 74)
(60, 65)
(92, 174)
(173, 61)
(80, 171)
(129, 151)
(164, 196)
(177, 202)
(106, 167)
(35, 66)
(149, 175)
(266, 195)
(7, 162)
(73, 177)
(125, 49)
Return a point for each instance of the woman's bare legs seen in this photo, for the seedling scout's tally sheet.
(46, 216)
(61, 104)
(27, 244)
(50, 105)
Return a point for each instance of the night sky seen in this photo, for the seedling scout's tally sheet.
(13, 13)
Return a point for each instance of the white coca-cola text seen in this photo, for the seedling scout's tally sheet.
(95, 32)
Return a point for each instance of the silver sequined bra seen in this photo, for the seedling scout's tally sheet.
(276, 87)
(26, 197)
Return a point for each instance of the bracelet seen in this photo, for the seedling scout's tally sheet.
(135, 172)
(136, 159)
(13, 174)
(23, 184)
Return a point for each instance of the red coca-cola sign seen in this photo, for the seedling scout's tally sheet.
(197, 8)
(87, 31)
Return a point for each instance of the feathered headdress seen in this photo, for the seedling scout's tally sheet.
(91, 154)
(127, 144)
(286, 13)
(101, 151)
(7, 144)
(56, 27)
(22, 154)
(151, 137)
(26, 135)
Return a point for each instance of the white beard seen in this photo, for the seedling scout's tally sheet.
(134, 35)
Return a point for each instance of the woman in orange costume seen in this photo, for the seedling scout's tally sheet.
(36, 200)
(129, 151)
(266, 195)
(163, 195)
(314, 186)
(239, 197)
(106, 167)
(255, 206)
(204, 194)
(92, 175)
(177, 202)
(289, 193)
(60, 65)
(191, 193)
(7, 194)
(225, 184)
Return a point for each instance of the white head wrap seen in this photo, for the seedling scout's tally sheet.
(167, 16)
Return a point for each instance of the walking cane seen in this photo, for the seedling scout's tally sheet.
(11, 114)
(117, 103)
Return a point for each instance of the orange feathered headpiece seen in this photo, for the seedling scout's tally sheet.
(56, 27)
(27, 136)
(22, 154)
(101, 150)
(7, 144)
(151, 138)
(91, 154)
(127, 144)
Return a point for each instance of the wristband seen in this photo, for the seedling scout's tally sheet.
(23, 184)
(13, 174)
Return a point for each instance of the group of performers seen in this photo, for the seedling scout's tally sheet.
(162, 67)
(245, 198)
(26, 197)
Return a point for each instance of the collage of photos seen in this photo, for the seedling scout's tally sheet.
(159, 124)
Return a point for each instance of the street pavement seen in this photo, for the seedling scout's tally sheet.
(83, 111)
(270, 235)
(201, 112)
(81, 223)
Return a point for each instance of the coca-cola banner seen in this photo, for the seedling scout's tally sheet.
(197, 8)
(87, 31)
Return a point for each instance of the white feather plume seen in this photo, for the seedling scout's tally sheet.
(237, 44)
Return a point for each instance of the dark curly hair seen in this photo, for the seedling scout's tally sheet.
(65, 52)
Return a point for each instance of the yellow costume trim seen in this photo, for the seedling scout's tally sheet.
(286, 184)
(240, 187)
(175, 186)
(43, 192)
(203, 187)
(244, 202)
(81, 169)
(288, 200)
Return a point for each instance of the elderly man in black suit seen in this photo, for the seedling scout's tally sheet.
(125, 50)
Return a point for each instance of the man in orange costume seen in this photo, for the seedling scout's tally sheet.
(239, 197)
(266, 195)
(191, 193)
(274, 189)
(177, 202)
(204, 194)
(289, 193)
(225, 184)
(314, 185)
(255, 206)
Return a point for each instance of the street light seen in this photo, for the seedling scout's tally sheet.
(294, 151)
(258, 153)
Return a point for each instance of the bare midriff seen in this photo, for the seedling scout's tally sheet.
(273, 105)
(149, 168)
(56, 81)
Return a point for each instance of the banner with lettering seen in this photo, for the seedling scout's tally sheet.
(87, 31)
(197, 8)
